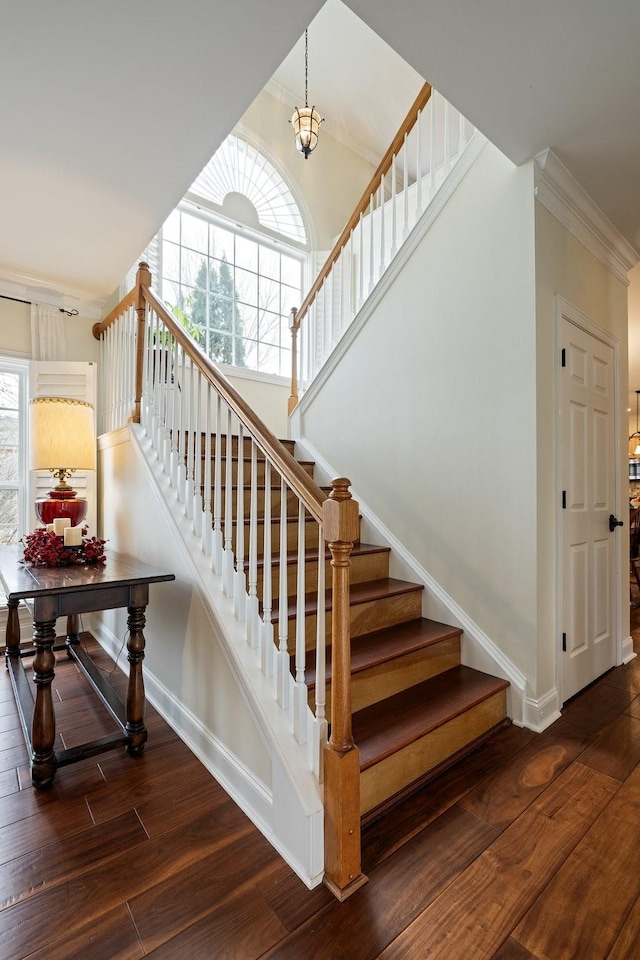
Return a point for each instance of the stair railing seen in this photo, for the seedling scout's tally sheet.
(259, 517)
(429, 142)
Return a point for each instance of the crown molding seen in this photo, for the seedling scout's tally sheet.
(561, 194)
(36, 290)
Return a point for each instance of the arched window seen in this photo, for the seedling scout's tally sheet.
(231, 260)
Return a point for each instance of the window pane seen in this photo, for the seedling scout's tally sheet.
(291, 271)
(269, 359)
(9, 464)
(270, 328)
(250, 348)
(290, 298)
(8, 427)
(195, 233)
(171, 228)
(246, 287)
(269, 263)
(269, 295)
(8, 516)
(247, 321)
(222, 243)
(170, 261)
(220, 314)
(247, 254)
(193, 268)
(9, 391)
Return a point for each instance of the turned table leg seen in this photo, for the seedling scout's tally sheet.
(73, 632)
(135, 727)
(43, 729)
(12, 636)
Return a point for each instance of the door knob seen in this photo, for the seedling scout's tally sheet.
(613, 523)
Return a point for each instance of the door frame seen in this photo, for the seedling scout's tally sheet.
(564, 310)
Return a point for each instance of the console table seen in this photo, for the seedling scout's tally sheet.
(70, 591)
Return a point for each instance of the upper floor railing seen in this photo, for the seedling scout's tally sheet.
(264, 523)
(429, 142)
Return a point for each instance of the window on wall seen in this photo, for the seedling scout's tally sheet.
(231, 260)
(13, 380)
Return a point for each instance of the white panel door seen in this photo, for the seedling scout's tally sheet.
(588, 471)
(64, 378)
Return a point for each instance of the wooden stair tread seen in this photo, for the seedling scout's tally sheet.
(359, 593)
(382, 646)
(389, 725)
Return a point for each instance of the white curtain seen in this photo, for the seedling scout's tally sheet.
(47, 333)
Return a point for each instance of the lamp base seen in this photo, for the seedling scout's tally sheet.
(49, 508)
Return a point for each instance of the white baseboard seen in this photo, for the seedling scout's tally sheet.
(628, 653)
(540, 714)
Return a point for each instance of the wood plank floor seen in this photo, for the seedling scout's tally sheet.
(527, 850)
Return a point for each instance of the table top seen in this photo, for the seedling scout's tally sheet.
(21, 581)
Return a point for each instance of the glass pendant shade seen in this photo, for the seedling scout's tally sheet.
(306, 123)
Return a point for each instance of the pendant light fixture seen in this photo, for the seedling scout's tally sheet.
(306, 120)
(634, 439)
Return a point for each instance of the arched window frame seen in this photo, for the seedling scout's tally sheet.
(256, 334)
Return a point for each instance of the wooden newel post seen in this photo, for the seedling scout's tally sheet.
(293, 326)
(343, 874)
(143, 279)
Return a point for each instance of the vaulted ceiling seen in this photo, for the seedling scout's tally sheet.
(109, 111)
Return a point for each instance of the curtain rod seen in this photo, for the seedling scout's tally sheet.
(69, 313)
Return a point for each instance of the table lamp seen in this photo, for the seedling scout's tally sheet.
(62, 439)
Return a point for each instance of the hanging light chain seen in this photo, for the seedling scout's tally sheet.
(306, 67)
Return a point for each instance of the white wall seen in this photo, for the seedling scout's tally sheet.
(564, 266)
(267, 396)
(431, 413)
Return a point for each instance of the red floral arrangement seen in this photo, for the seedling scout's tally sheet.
(43, 548)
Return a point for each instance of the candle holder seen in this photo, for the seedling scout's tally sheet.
(45, 548)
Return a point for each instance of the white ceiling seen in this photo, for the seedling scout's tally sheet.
(102, 131)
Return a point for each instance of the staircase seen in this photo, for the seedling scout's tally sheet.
(416, 708)
(305, 633)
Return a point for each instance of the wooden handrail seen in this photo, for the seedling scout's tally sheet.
(99, 328)
(383, 168)
(304, 486)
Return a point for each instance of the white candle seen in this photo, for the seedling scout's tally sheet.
(59, 525)
(72, 537)
(50, 528)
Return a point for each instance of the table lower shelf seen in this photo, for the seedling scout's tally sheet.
(25, 692)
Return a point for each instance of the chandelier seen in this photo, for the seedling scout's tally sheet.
(306, 120)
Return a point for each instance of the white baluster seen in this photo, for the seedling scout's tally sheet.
(418, 128)
(320, 725)
(361, 264)
(197, 458)
(240, 585)
(216, 551)
(394, 218)
(175, 418)
(283, 675)
(169, 407)
(447, 146)
(371, 244)
(462, 135)
(182, 452)
(267, 647)
(207, 516)
(300, 710)
(405, 187)
(227, 575)
(382, 253)
(190, 444)
(432, 146)
(252, 600)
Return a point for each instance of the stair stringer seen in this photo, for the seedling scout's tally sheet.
(478, 650)
(290, 811)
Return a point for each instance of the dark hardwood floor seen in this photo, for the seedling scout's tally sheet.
(527, 850)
